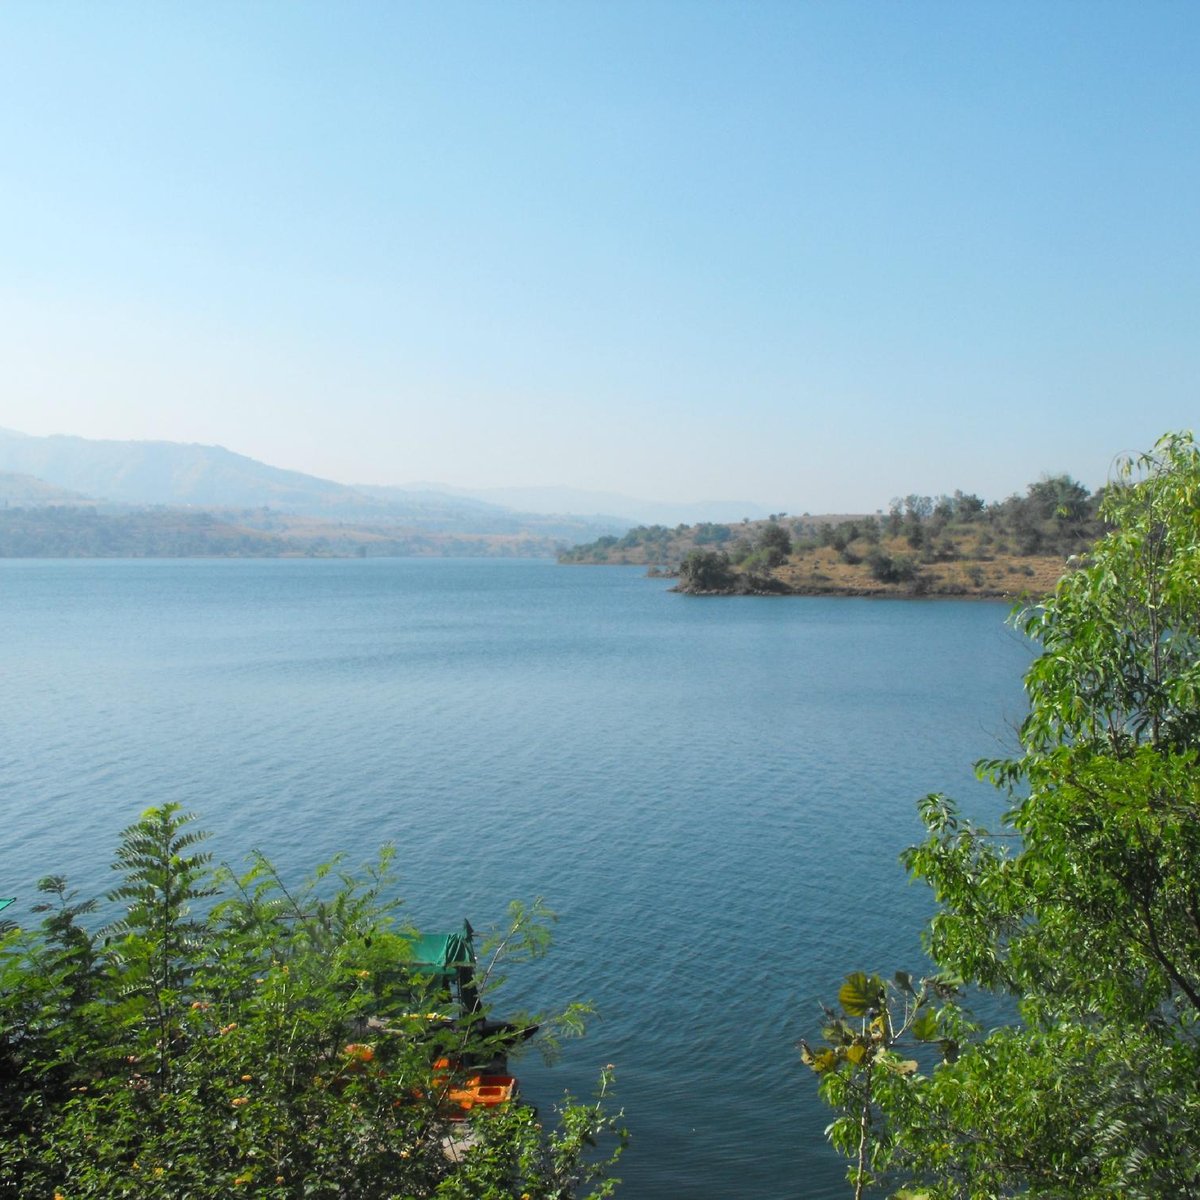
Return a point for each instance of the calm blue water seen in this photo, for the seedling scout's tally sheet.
(712, 793)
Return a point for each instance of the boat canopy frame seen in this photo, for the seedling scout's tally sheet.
(448, 961)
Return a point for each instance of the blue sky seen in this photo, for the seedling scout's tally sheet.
(811, 254)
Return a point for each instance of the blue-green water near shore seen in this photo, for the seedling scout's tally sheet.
(712, 793)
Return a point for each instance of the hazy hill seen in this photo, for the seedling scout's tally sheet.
(125, 531)
(56, 531)
(24, 491)
(174, 473)
(67, 496)
(211, 477)
(611, 507)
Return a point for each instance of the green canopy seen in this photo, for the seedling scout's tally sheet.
(442, 954)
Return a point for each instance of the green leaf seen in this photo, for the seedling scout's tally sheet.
(860, 993)
(924, 1028)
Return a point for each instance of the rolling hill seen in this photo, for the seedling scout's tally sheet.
(73, 496)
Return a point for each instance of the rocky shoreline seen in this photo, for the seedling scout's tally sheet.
(779, 588)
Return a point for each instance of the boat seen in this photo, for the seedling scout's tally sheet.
(475, 1073)
(449, 964)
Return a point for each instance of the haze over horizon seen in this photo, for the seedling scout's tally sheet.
(817, 256)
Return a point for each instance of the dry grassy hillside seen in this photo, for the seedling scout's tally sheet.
(948, 546)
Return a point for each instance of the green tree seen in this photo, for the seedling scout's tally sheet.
(1059, 497)
(889, 568)
(157, 945)
(966, 505)
(775, 543)
(1083, 909)
(707, 533)
(705, 571)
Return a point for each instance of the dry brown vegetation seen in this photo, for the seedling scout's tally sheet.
(977, 573)
(948, 546)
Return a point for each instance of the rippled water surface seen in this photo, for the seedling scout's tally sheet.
(712, 793)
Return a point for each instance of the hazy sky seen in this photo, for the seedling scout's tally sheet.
(811, 254)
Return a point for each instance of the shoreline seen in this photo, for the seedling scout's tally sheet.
(854, 594)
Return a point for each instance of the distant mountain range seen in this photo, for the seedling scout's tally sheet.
(112, 478)
(197, 476)
(71, 470)
(201, 476)
(606, 506)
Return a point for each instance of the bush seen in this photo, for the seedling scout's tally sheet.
(283, 1044)
(888, 569)
(709, 533)
(774, 543)
(706, 571)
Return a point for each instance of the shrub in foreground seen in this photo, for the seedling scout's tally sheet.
(282, 1046)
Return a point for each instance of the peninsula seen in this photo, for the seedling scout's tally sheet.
(922, 546)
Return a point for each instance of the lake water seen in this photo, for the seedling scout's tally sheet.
(712, 793)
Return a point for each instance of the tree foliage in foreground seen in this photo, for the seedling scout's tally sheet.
(1083, 909)
(246, 1053)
